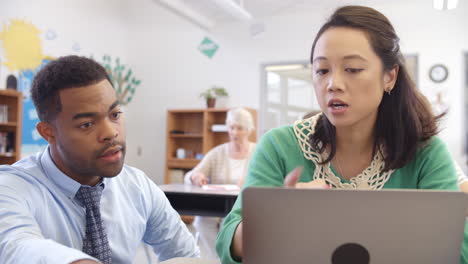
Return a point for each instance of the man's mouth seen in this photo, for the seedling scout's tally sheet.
(112, 154)
(111, 151)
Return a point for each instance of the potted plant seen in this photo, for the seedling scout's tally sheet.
(212, 93)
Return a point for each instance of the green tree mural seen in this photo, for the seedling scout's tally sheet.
(124, 83)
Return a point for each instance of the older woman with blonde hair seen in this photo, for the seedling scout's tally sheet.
(227, 163)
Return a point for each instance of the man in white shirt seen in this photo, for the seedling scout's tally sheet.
(76, 202)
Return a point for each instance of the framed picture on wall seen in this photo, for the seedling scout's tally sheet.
(411, 61)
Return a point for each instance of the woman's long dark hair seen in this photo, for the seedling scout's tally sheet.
(405, 121)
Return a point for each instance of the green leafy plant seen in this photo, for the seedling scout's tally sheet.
(214, 92)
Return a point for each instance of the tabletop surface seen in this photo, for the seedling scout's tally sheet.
(185, 188)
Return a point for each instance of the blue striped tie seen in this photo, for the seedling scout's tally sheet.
(95, 242)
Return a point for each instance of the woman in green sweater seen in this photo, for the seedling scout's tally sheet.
(376, 130)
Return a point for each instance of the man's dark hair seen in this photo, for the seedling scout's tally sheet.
(405, 121)
(63, 73)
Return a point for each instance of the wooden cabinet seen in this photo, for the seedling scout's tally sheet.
(191, 130)
(11, 110)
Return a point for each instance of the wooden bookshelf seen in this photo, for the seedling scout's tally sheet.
(13, 125)
(190, 129)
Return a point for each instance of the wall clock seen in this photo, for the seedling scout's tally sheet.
(438, 73)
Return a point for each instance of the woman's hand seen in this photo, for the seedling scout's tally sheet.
(198, 178)
(291, 181)
(464, 187)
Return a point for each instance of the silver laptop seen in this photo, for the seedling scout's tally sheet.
(298, 226)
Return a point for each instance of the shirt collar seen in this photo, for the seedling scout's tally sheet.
(66, 184)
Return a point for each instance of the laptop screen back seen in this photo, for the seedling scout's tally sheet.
(317, 226)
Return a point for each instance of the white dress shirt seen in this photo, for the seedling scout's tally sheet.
(42, 222)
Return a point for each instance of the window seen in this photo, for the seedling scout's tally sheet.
(287, 94)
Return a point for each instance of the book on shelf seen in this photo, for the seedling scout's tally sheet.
(3, 113)
(7, 141)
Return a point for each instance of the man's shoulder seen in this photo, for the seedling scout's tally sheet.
(132, 170)
(28, 167)
(24, 175)
(132, 176)
(134, 182)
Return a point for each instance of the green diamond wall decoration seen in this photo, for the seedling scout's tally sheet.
(208, 47)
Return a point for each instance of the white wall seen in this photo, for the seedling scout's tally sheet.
(174, 72)
(99, 27)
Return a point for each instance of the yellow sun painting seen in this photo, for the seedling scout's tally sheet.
(22, 45)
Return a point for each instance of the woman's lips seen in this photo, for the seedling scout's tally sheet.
(337, 106)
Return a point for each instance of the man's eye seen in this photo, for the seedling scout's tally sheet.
(86, 125)
(116, 115)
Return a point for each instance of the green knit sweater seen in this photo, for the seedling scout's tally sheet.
(278, 153)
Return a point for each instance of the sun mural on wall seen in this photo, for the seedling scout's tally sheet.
(21, 49)
(21, 44)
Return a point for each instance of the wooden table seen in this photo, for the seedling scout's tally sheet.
(193, 200)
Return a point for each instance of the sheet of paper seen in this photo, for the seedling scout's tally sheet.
(224, 187)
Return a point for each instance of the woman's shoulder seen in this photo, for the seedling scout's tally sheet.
(432, 150)
(280, 133)
(432, 146)
(221, 147)
(218, 149)
(436, 141)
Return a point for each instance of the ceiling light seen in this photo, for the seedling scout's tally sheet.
(444, 4)
(288, 67)
(233, 8)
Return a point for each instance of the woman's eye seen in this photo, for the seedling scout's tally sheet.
(321, 71)
(354, 70)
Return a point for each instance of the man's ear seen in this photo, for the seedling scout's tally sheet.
(47, 131)
(390, 78)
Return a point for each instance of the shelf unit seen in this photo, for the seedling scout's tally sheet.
(193, 133)
(14, 100)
